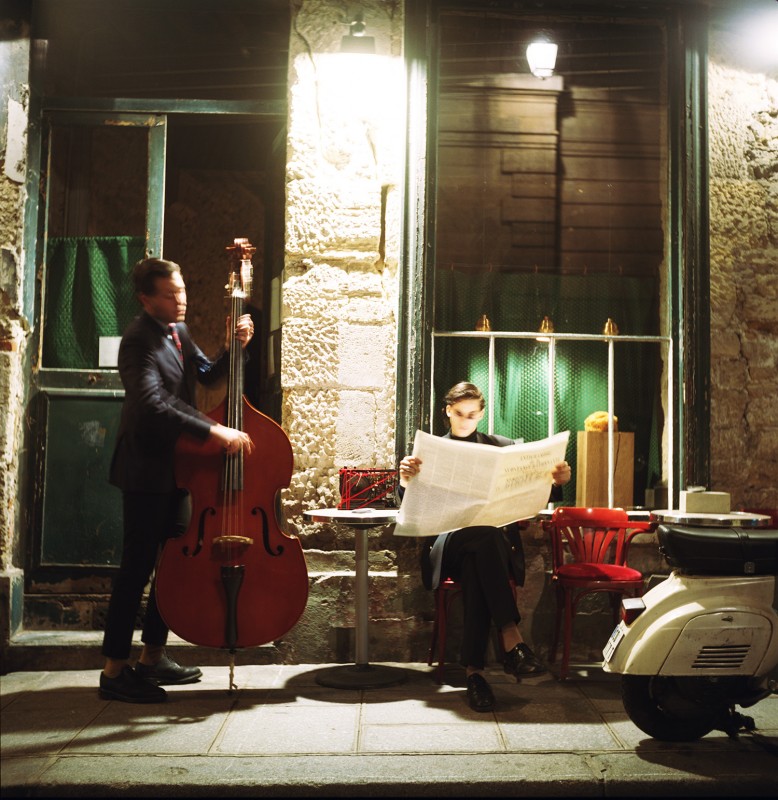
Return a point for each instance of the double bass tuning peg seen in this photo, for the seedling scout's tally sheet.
(240, 252)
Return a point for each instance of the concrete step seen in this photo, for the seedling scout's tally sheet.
(80, 650)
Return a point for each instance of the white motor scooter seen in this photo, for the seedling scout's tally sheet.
(705, 639)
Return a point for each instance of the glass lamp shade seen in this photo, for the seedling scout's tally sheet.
(541, 57)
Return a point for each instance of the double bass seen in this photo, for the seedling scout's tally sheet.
(234, 579)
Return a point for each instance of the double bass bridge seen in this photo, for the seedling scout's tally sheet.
(232, 539)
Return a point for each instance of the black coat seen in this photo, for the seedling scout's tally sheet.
(432, 551)
(159, 403)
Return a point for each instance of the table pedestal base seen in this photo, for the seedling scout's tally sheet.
(364, 676)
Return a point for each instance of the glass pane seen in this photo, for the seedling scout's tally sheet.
(551, 203)
(96, 231)
(227, 50)
(549, 178)
(98, 180)
(81, 515)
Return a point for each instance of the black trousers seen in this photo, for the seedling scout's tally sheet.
(479, 559)
(149, 519)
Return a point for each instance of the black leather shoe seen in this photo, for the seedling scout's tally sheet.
(479, 693)
(129, 687)
(167, 672)
(522, 661)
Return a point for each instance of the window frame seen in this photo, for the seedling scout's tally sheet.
(688, 284)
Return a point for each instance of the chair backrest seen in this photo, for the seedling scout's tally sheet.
(588, 534)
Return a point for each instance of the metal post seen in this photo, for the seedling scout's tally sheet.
(490, 427)
(361, 597)
(611, 381)
(551, 386)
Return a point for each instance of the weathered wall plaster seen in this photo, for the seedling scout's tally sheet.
(344, 169)
(743, 113)
(14, 65)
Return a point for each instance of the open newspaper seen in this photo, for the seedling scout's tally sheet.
(463, 483)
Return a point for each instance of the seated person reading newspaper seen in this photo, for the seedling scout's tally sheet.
(483, 559)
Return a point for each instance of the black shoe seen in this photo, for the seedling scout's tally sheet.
(479, 693)
(168, 672)
(522, 661)
(129, 687)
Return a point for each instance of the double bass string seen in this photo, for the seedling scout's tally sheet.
(232, 521)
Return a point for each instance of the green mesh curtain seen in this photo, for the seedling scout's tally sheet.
(89, 294)
(576, 304)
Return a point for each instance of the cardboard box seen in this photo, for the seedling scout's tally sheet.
(592, 472)
(705, 502)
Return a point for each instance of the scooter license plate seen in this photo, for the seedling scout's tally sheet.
(613, 642)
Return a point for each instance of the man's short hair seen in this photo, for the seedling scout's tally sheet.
(464, 391)
(146, 271)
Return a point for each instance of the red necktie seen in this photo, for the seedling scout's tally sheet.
(176, 340)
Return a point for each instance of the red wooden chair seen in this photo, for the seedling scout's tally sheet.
(589, 549)
(445, 595)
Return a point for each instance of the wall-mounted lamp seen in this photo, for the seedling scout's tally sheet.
(356, 41)
(541, 56)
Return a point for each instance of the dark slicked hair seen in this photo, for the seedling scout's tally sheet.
(145, 273)
(464, 391)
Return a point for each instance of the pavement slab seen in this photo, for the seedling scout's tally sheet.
(281, 734)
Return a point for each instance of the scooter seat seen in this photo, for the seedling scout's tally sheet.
(585, 571)
(719, 551)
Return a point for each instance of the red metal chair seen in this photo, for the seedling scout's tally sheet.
(589, 549)
(445, 595)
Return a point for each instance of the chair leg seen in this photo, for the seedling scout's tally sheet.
(433, 641)
(615, 598)
(568, 635)
(442, 628)
(558, 622)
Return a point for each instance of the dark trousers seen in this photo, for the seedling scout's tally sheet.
(479, 559)
(149, 519)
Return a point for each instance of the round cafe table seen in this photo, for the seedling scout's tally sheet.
(362, 674)
(731, 519)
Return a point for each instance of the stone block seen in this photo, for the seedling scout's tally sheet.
(362, 351)
(309, 354)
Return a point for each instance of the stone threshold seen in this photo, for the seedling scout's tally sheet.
(66, 650)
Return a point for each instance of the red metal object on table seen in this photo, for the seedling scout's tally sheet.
(367, 488)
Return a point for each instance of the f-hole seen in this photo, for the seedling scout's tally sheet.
(200, 533)
(266, 533)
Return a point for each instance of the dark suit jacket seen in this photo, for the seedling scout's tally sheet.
(159, 403)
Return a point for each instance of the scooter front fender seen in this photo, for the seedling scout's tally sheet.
(700, 626)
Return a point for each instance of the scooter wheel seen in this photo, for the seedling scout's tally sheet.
(666, 708)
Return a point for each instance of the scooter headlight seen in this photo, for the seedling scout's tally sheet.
(632, 608)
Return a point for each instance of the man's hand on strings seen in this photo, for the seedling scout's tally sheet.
(232, 440)
(244, 330)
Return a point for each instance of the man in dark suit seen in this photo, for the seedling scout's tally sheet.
(159, 365)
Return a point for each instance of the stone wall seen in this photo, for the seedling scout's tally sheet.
(339, 308)
(743, 114)
(14, 328)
